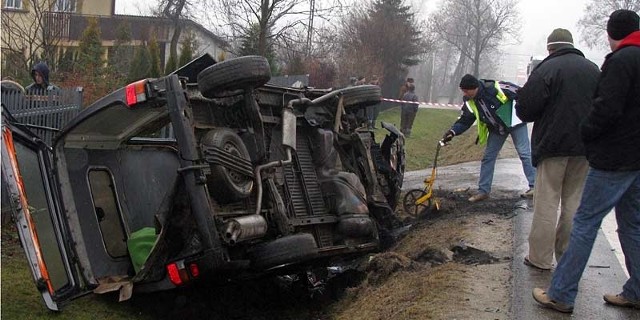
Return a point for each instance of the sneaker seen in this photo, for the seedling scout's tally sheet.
(528, 193)
(528, 263)
(479, 197)
(620, 301)
(540, 295)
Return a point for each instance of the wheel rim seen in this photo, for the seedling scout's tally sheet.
(409, 203)
(233, 175)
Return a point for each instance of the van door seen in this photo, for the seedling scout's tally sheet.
(33, 196)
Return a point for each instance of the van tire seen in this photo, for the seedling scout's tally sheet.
(285, 250)
(226, 185)
(366, 95)
(230, 76)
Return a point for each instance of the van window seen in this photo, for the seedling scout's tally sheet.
(108, 212)
(35, 189)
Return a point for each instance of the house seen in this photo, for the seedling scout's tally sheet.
(63, 22)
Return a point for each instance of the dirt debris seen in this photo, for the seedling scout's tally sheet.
(458, 265)
(470, 255)
(380, 267)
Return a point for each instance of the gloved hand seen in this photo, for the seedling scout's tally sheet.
(448, 136)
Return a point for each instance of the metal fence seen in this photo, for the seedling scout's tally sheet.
(46, 112)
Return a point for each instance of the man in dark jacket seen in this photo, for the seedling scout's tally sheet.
(611, 135)
(556, 97)
(491, 104)
(403, 87)
(40, 76)
(409, 110)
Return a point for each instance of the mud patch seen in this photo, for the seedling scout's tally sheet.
(470, 255)
(380, 267)
(431, 256)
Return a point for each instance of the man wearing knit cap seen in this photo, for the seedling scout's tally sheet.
(611, 136)
(556, 98)
(491, 104)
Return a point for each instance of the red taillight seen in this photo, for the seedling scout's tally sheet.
(136, 92)
(174, 274)
(195, 271)
(178, 273)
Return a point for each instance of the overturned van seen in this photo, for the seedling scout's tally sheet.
(253, 179)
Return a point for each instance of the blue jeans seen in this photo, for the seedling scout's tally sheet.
(520, 137)
(603, 190)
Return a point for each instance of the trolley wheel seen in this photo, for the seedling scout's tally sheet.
(409, 203)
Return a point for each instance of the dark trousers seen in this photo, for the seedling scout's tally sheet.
(407, 117)
(372, 114)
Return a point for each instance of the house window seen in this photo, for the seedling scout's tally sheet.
(65, 6)
(13, 4)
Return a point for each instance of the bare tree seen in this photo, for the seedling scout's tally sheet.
(475, 26)
(276, 19)
(593, 24)
(239, 17)
(175, 10)
(33, 34)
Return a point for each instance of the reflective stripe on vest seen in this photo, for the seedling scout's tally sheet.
(483, 130)
(500, 95)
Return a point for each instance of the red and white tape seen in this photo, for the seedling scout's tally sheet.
(428, 104)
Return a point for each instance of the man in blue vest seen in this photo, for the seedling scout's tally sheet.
(491, 103)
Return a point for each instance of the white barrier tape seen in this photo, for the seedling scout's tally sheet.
(428, 104)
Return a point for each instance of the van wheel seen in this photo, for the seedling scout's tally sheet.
(362, 96)
(290, 249)
(228, 77)
(224, 184)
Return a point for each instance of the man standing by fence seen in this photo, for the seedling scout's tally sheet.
(40, 76)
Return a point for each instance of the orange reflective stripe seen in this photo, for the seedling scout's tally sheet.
(11, 150)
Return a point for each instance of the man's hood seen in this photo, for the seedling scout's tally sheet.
(42, 68)
(632, 39)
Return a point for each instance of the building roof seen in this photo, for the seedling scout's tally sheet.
(140, 27)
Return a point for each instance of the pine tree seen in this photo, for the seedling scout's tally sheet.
(171, 64)
(188, 46)
(90, 51)
(141, 65)
(122, 51)
(155, 69)
(66, 62)
(250, 46)
(384, 39)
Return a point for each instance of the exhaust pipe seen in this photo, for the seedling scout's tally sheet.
(244, 228)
